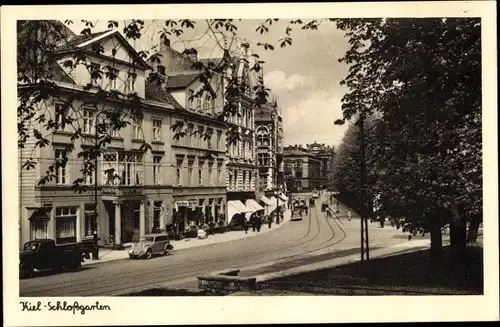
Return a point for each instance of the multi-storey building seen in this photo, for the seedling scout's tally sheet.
(302, 169)
(269, 144)
(198, 150)
(240, 166)
(136, 198)
(327, 155)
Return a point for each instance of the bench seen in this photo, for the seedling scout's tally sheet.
(226, 281)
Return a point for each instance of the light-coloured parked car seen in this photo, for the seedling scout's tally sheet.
(315, 194)
(151, 245)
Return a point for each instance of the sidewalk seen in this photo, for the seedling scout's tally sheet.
(106, 255)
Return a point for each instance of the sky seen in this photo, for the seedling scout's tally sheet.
(304, 77)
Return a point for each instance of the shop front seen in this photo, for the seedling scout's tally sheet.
(197, 210)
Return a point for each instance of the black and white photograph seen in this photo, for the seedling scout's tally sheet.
(176, 168)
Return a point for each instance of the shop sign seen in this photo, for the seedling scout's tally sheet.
(182, 203)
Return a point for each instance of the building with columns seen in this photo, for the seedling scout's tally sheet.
(131, 196)
(327, 155)
(302, 169)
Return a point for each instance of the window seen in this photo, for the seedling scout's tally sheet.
(39, 228)
(95, 74)
(217, 142)
(131, 78)
(137, 128)
(244, 148)
(88, 121)
(61, 171)
(263, 159)
(200, 171)
(191, 99)
(190, 134)
(157, 211)
(244, 179)
(66, 225)
(219, 173)
(199, 137)
(230, 184)
(198, 103)
(263, 139)
(210, 168)
(123, 168)
(157, 129)
(89, 176)
(112, 78)
(157, 170)
(209, 139)
(60, 118)
(90, 220)
(250, 180)
(207, 106)
(190, 172)
(178, 170)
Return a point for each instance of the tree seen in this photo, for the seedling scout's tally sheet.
(423, 78)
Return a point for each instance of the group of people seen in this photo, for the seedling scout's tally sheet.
(256, 222)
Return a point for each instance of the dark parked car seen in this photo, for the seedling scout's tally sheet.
(45, 254)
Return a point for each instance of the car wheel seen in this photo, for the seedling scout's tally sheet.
(149, 254)
(26, 271)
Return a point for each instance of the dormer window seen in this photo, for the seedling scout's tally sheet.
(191, 99)
(198, 103)
(131, 78)
(95, 73)
(208, 103)
(112, 78)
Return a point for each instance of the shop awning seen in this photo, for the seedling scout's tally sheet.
(266, 200)
(41, 213)
(234, 207)
(280, 202)
(251, 203)
(283, 197)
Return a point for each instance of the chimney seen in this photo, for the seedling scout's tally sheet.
(192, 54)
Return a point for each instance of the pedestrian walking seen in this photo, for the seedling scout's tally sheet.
(328, 213)
(252, 220)
(245, 226)
(269, 221)
(349, 216)
(258, 224)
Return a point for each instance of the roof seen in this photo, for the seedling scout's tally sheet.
(210, 61)
(78, 39)
(181, 80)
(155, 92)
(60, 75)
(296, 152)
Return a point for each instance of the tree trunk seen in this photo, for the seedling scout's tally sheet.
(458, 234)
(436, 242)
(473, 231)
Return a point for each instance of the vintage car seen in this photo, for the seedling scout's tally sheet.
(151, 245)
(45, 254)
(315, 194)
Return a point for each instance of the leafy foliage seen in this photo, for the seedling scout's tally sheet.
(421, 81)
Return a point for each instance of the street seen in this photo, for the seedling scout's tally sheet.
(296, 243)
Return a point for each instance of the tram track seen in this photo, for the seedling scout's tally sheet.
(121, 283)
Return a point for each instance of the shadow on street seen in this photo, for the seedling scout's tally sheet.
(410, 273)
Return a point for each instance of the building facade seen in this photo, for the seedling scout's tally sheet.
(327, 156)
(269, 144)
(302, 169)
(131, 195)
